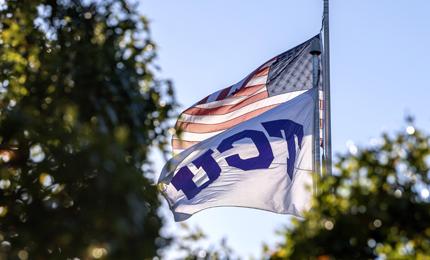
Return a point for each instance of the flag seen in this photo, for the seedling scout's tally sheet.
(278, 80)
(248, 145)
(263, 163)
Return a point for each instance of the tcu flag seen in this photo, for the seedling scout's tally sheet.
(263, 163)
(249, 145)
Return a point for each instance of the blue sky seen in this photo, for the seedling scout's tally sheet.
(380, 70)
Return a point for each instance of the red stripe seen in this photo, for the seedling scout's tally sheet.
(259, 69)
(206, 128)
(222, 110)
(262, 72)
(248, 90)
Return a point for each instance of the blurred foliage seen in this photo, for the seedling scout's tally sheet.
(80, 109)
(376, 205)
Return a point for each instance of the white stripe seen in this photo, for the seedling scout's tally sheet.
(259, 91)
(227, 101)
(188, 136)
(216, 119)
(224, 102)
(257, 81)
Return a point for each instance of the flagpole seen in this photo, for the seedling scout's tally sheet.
(315, 51)
(326, 89)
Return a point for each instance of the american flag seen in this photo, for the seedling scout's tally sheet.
(276, 81)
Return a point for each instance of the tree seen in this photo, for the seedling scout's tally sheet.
(376, 206)
(80, 109)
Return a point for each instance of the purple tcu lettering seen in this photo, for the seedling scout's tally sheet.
(265, 154)
(291, 130)
(183, 179)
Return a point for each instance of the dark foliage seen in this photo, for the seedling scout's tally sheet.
(376, 206)
(80, 108)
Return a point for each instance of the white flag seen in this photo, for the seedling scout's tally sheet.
(263, 163)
